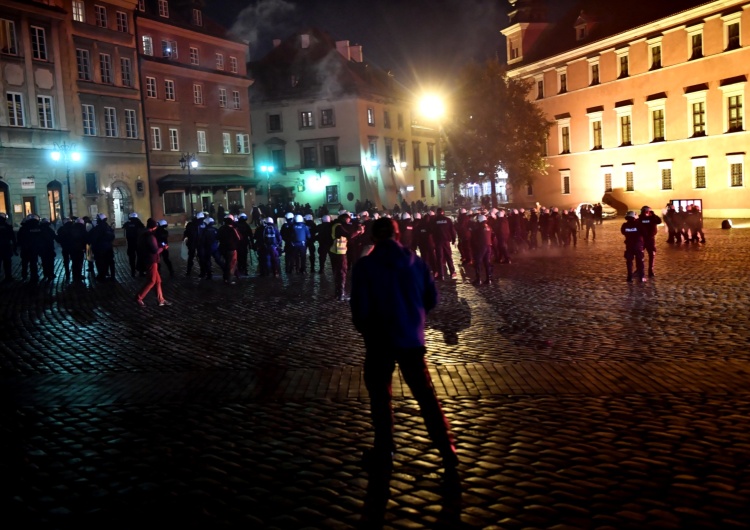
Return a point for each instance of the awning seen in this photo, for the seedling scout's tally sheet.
(181, 181)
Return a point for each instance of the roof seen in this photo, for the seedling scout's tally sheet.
(606, 19)
(318, 70)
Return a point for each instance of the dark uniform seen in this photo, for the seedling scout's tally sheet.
(648, 222)
(64, 239)
(633, 233)
(134, 227)
(162, 238)
(100, 238)
(210, 248)
(299, 239)
(191, 235)
(7, 246)
(245, 244)
(325, 240)
(267, 242)
(425, 242)
(342, 234)
(229, 241)
(444, 234)
(481, 246)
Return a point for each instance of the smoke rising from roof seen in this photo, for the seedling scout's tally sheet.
(263, 17)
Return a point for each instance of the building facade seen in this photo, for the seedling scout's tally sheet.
(330, 130)
(195, 99)
(648, 104)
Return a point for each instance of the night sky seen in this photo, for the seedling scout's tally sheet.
(423, 42)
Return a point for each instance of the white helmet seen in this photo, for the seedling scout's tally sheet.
(210, 220)
(229, 216)
(133, 215)
(364, 214)
(200, 215)
(463, 210)
(501, 213)
(163, 222)
(376, 216)
(101, 216)
(405, 216)
(308, 217)
(481, 218)
(299, 219)
(289, 215)
(326, 219)
(417, 215)
(269, 220)
(243, 215)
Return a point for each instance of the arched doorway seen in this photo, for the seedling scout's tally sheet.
(56, 206)
(5, 201)
(122, 203)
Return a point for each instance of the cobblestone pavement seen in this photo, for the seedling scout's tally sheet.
(578, 400)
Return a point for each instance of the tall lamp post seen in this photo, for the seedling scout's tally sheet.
(67, 153)
(188, 161)
(268, 170)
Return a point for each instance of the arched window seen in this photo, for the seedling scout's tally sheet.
(54, 198)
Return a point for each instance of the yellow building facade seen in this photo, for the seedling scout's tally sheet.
(642, 115)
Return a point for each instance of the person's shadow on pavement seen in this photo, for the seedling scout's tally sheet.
(376, 498)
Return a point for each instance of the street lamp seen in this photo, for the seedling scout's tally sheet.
(188, 161)
(67, 153)
(268, 170)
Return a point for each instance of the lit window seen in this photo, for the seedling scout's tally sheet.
(174, 140)
(226, 139)
(126, 72)
(169, 49)
(156, 138)
(235, 99)
(666, 179)
(219, 61)
(83, 64)
(89, 120)
(243, 144)
(194, 59)
(305, 119)
(629, 179)
(657, 119)
(565, 134)
(202, 145)
(700, 177)
(371, 116)
(197, 94)
(169, 90)
(16, 116)
(608, 182)
(699, 118)
(79, 11)
(326, 118)
(148, 45)
(44, 112)
(122, 22)
(734, 108)
(222, 97)
(110, 122)
(624, 129)
(596, 134)
(101, 16)
(105, 68)
(131, 124)
(38, 43)
(151, 87)
(8, 37)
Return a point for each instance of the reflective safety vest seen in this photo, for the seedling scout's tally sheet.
(339, 243)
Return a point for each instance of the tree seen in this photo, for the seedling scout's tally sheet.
(494, 127)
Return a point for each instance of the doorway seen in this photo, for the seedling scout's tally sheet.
(121, 205)
(56, 208)
(29, 205)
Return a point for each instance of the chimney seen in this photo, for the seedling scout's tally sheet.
(342, 46)
(304, 41)
(356, 53)
(276, 42)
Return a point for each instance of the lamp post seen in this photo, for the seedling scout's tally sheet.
(188, 161)
(67, 153)
(268, 170)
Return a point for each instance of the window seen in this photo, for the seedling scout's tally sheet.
(431, 155)
(402, 152)
(415, 151)
(8, 37)
(624, 130)
(629, 179)
(141, 5)
(197, 94)
(732, 25)
(15, 110)
(400, 119)
(432, 188)
(243, 144)
(608, 181)
(156, 138)
(164, 8)
(274, 122)
(101, 16)
(654, 46)
(371, 116)
(735, 171)
(219, 61)
(278, 159)
(389, 152)
(565, 182)
(197, 17)
(38, 43)
(89, 120)
(79, 11)
(734, 108)
(202, 145)
(174, 139)
(122, 22)
(131, 124)
(151, 87)
(222, 97)
(657, 120)
(305, 119)
(169, 90)
(105, 68)
(169, 49)
(84, 65)
(110, 122)
(695, 36)
(329, 156)
(700, 177)
(226, 140)
(126, 72)
(666, 179)
(565, 140)
(540, 89)
(622, 63)
(174, 202)
(309, 157)
(148, 45)
(194, 58)
(594, 71)
(699, 118)
(386, 119)
(562, 81)
(596, 134)
(326, 118)
(44, 112)
(91, 183)
(421, 189)
(233, 66)
(236, 101)
(332, 194)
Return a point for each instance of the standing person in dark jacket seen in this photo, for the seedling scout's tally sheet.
(633, 246)
(64, 239)
(544, 223)
(501, 227)
(481, 245)
(268, 242)
(444, 235)
(554, 227)
(133, 228)
(342, 233)
(7, 246)
(150, 250)
(698, 229)
(28, 247)
(229, 242)
(424, 241)
(245, 244)
(464, 236)
(533, 225)
(587, 216)
(47, 249)
(210, 247)
(299, 240)
(669, 219)
(310, 222)
(406, 228)
(101, 238)
(648, 222)
(325, 239)
(78, 236)
(392, 292)
(162, 237)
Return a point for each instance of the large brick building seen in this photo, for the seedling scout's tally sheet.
(647, 100)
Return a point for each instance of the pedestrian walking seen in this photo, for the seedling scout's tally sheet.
(150, 250)
(392, 292)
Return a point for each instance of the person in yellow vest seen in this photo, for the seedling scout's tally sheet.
(342, 232)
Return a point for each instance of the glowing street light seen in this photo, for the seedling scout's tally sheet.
(188, 161)
(67, 153)
(431, 107)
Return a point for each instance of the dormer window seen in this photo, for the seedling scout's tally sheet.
(197, 17)
(583, 26)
